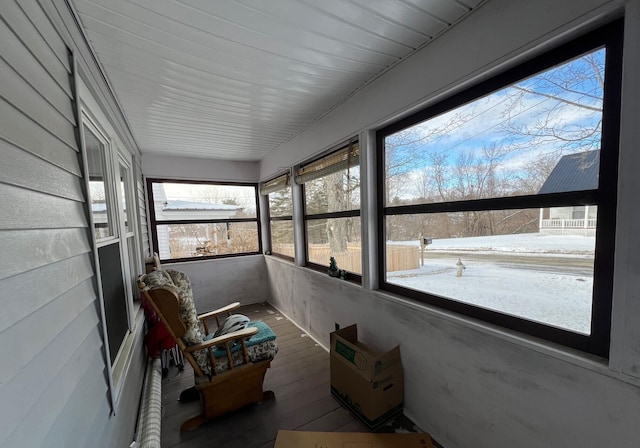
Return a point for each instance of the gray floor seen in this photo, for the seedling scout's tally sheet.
(299, 377)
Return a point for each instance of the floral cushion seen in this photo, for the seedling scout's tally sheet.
(261, 346)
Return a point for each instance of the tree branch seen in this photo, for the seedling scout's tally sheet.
(562, 100)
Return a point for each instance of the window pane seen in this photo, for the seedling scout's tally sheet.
(541, 135)
(183, 201)
(115, 305)
(508, 264)
(338, 238)
(124, 181)
(280, 203)
(98, 192)
(333, 193)
(134, 270)
(282, 238)
(195, 240)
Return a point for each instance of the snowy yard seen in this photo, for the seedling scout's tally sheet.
(544, 278)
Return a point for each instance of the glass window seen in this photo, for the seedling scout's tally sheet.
(98, 192)
(126, 195)
(108, 170)
(493, 268)
(332, 209)
(278, 192)
(494, 200)
(203, 219)
(540, 135)
(113, 296)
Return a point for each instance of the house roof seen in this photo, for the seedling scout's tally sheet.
(190, 205)
(574, 172)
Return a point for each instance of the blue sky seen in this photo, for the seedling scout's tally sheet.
(482, 123)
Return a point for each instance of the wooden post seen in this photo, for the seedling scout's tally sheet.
(421, 250)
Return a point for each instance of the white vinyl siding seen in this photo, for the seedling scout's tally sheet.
(53, 387)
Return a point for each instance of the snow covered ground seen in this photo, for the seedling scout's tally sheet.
(544, 278)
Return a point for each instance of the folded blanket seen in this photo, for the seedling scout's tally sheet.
(264, 334)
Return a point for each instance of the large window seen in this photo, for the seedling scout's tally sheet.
(332, 209)
(191, 220)
(500, 202)
(110, 187)
(278, 193)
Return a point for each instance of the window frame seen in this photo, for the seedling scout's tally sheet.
(306, 217)
(604, 197)
(91, 118)
(153, 222)
(271, 219)
(129, 229)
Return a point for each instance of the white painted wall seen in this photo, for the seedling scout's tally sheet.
(468, 383)
(218, 282)
(170, 167)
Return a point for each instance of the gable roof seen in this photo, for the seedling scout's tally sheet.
(574, 172)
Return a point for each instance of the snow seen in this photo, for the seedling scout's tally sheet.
(544, 278)
(537, 243)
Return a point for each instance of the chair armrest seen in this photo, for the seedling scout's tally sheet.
(240, 334)
(224, 309)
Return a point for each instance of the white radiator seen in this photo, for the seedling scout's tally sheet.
(150, 414)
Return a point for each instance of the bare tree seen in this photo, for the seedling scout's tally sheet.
(575, 90)
(337, 200)
(403, 153)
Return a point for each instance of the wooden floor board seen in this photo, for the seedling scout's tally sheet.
(299, 376)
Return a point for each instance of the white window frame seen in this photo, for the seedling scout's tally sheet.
(93, 118)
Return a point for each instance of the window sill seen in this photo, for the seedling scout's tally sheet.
(351, 283)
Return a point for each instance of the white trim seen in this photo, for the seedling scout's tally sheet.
(98, 280)
(116, 155)
(368, 210)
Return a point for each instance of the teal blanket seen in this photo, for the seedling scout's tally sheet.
(264, 334)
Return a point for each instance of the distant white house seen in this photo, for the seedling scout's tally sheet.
(179, 210)
(573, 172)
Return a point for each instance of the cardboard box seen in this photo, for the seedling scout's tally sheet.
(366, 382)
(301, 439)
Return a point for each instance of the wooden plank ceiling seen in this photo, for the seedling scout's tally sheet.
(233, 79)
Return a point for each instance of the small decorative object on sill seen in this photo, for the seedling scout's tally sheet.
(343, 274)
(333, 270)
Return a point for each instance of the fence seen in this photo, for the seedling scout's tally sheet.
(399, 258)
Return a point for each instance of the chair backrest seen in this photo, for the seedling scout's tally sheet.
(167, 305)
(169, 293)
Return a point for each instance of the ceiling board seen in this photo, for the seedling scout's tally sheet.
(234, 79)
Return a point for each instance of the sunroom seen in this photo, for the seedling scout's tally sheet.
(248, 143)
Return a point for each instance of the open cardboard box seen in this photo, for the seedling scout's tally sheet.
(365, 381)
(302, 439)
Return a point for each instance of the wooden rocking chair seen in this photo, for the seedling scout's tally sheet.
(226, 376)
